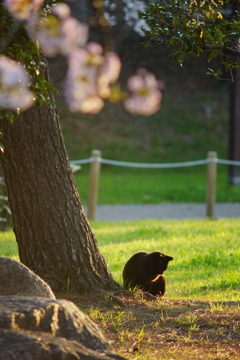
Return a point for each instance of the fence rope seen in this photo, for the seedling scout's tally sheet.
(228, 162)
(79, 162)
(155, 166)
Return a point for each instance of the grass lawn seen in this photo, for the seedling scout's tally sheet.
(198, 318)
(137, 186)
(206, 253)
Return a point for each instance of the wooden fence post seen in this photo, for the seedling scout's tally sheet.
(211, 183)
(93, 184)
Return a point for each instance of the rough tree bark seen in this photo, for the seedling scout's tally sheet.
(53, 234)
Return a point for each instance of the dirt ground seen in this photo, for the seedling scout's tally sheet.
(140, 326)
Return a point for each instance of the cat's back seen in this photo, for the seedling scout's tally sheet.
(134, 262)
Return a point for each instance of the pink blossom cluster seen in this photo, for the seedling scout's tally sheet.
(60, 33)
(14, 86)
(91, 73)
(89, 78)
(146, 93)
(22, 9)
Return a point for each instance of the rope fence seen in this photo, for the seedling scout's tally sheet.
(95, 160)
(152, 165)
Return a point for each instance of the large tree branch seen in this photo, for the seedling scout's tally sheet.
(222, 48)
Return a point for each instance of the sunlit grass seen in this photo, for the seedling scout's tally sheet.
(8, 245)
(206, 253)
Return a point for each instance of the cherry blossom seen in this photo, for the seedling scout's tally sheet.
(109, 74)
(89, 77)
(61, 10)
(81, 80)
(146, 95)
(130, 10)
(14, 82)
(91, 74)
(22, 9)
(59, 33)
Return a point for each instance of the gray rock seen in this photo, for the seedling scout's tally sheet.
(33, 346)
(44, 329)
(18, 279)
(59, 318)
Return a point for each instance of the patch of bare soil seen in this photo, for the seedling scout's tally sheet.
(144, 327)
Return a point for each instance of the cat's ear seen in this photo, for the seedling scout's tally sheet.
(169, 258)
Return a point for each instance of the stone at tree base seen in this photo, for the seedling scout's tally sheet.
(33, 328)
(18, 279)
(33, 346)
(59, 318)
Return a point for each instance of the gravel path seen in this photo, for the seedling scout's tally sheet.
(164, 211)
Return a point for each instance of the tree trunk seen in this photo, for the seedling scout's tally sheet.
(53, 234)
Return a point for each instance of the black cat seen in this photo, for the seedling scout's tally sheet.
(145, 271)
